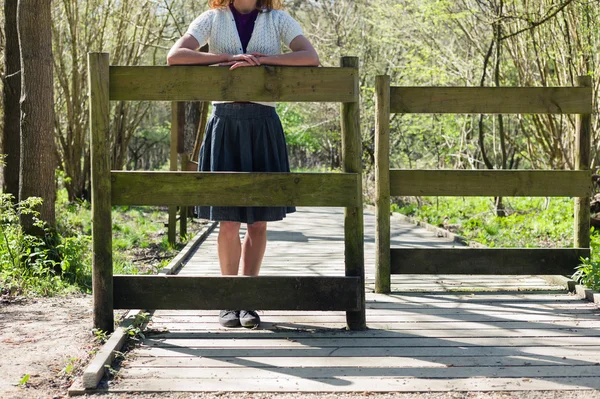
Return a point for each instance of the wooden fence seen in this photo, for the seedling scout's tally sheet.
(481, 100)
(184, 188)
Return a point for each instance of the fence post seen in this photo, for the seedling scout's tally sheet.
(173, 158)
(183, 211)
(102, 268)
(353, 216)
(382, 184)
(582, 162)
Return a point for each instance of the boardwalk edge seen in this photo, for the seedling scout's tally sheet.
(578, 289)
(105, 356)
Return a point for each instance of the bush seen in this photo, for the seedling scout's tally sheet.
(588, 272)
(38, 265)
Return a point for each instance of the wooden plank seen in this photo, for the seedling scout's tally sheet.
(353, 214)
(436, 362)
(448, 309)
(517, 261)
(583, 139)
(370, 343)
(204, 83)
(235, 188)
(405, 333)
(173, 161)
(375, 314)
(355, 384)
(94, 372)
(102, 268)
(507, 183)
(183, 210)
(553, 353)
(491, 100)
(409, 317)
(382, 184)
(265, 293)
(258, 371)
(212, 326)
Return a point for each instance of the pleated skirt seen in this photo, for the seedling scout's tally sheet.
(243, 137)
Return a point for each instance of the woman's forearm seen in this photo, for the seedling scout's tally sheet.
(186, 56)
(296, 58)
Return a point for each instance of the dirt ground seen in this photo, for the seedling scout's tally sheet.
(365, 395)
(48, 338)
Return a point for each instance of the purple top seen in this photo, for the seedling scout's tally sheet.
(244, 24)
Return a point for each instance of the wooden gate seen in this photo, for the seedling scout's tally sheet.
(511, 183)
(202, 83)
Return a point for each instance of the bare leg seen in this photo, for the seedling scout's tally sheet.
(229, 248)
(253, 249)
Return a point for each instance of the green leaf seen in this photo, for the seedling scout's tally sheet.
(24, 379)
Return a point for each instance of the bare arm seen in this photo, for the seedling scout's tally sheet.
(303, 54)
(185, 52)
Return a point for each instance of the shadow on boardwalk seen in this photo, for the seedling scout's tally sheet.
(434, 333)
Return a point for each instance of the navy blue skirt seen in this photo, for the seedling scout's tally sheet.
(243, 137)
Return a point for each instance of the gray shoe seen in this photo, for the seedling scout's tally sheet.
(249, 318)
(229, 318)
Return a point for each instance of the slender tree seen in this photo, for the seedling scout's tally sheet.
(38, 154)
(11, 138)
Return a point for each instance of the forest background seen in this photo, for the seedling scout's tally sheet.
(416, 42)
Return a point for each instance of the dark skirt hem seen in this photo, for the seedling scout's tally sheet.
(243, 137)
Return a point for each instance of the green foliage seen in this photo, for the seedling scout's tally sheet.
(531, 222)
(135, 330)
(588, 272)
(31, 264)
(23, 381)
(100, 336)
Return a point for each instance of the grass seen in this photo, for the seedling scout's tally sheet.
(63, 264)
(530, 223)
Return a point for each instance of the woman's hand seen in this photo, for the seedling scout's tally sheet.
(250, 58)
(236, 64)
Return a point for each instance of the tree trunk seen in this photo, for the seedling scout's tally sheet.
(11, 138)
(38, 154)
(193, 112)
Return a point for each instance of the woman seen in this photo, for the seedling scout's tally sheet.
(243, 136)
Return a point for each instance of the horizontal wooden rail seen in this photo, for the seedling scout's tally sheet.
(235, 189)
(491, 100)
(204, 83)
(507, 183)
(216, 293)
(495, 261)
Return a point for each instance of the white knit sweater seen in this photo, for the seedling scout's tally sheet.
(217, 28)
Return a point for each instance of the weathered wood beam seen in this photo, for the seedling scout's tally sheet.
(490, 261)
(204, 83)
(382, 184)
(235, 189)
(491, 100)
(216, 293)
(353, 214)
(583, 150)
(505, 183)
(102, 268)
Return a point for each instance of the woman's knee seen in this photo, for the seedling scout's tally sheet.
(257, 228)
(229, 228)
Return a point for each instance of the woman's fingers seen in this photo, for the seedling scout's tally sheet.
(252, 59)
(240, 64)
(248, 58)
(227, 63)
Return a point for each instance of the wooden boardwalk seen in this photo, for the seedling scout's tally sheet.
(434, 333)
